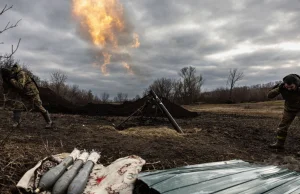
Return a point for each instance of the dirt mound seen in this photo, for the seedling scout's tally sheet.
(56, 104)
(128, 108)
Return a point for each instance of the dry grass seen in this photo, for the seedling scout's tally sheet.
(270, 108)
(15, 160)
(151, 132)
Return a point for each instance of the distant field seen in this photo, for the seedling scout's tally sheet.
(270, 108)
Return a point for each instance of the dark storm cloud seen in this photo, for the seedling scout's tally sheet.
(267, 57)
(211, 35)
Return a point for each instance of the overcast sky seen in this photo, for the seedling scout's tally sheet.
(259, 37)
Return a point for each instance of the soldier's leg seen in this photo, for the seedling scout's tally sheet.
(286, 121)
(16, 118)
(38, 104)
(18, 106)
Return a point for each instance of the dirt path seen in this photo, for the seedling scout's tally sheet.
(209, 137)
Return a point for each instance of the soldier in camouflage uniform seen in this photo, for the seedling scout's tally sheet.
(29, 92)
(290, 91)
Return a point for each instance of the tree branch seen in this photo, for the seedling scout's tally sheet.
(12, 50)
(7, 27)
(5, 9)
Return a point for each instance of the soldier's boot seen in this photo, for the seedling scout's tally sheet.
(47, 118)
(16, 118)
(279, 144)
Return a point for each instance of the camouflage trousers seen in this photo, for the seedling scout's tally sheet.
(286, 120)
(28, 103)
(36, 102)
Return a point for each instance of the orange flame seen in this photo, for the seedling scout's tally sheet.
(129, 69)
(104, 20)
(136, 43)
(106, 62)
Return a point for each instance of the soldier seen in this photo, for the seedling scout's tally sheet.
(290, 91)
(26, 86)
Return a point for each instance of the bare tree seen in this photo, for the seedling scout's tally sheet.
(137, 97)
(7, 27)
(97, 99)
(121, 97)
(64, 91)
(7, 58)
(234, 76)
(44, 83)
(162, 87)
(191, 84)
(145, 92)
(9, 62)
(74, 92)
(90, 96)
(177, 94)
(58, 80)
(105, 97)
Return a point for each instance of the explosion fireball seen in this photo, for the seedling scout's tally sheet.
(104, 21)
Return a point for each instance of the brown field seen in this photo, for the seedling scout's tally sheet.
(270, 108)
(220, 132)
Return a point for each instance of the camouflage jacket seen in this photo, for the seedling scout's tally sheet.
(24, 83)
(292, 98)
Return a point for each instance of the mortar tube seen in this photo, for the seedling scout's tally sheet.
(165, 110)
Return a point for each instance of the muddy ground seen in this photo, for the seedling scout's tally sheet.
(210, 137)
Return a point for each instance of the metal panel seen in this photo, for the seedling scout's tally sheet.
(234, 176)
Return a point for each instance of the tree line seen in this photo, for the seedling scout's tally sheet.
(186, 89)
(254, 93)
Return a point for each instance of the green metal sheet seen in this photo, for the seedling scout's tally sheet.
(234, 176)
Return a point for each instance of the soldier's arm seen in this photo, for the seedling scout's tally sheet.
(273, 93)
(20, 82)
